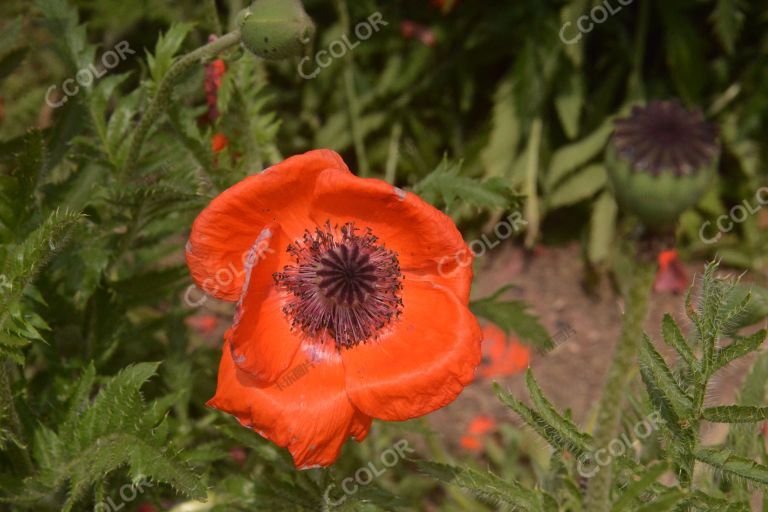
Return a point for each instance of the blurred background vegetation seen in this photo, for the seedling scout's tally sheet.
(480, 107)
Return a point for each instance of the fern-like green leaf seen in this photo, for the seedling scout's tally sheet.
(549, 413)
(486, 485)
(513, 316)
(561, 439)
(446, 186)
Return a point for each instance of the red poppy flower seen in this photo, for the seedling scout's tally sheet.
(219, 142)
(478, 428)
(342, 315)
(204, 324)
(502, 358)
(672, 275)
(214, 72)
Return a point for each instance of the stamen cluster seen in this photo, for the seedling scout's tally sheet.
(344, 285)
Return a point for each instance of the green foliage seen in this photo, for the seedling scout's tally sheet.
(93, 279)
(489, 487)
(97, 437)
(446, 187)
(513, 316)
(672, 420)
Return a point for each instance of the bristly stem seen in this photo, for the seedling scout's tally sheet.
(163, 95)
(619, 375)
(353, 104)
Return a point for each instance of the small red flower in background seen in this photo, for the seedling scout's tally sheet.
(214, 71)
(502, 357)
(204, 324)
(146, 507)
(340, 276)
(219, 142)
(478, 428)
(671, 275)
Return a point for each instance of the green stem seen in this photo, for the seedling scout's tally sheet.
(353, 103)
(619, 375)
(163, 96)
(8, 412)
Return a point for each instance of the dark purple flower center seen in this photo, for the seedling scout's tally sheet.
(344, 284)
(665, 136)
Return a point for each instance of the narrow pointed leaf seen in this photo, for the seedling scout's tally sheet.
(735, 414)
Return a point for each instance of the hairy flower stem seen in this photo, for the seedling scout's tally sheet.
(165, 88)
(10, 418)
(619, 375)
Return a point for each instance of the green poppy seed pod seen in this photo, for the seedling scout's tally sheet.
(275, 29)
(661, 160)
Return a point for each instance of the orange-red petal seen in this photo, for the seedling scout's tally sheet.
(421, 363)
(311, 415)
(227, 228)
(427, 242)
(263, 344)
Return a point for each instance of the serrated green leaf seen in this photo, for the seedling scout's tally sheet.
(445, 185)
(485, 485)
(652, 360)
(631, 492)
(512, 316)
(563, 425)
(167, 46)
(675, 339)
(740, 346)
(560, 440)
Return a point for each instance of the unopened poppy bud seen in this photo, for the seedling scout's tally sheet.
(275, 29)
(661, 160)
